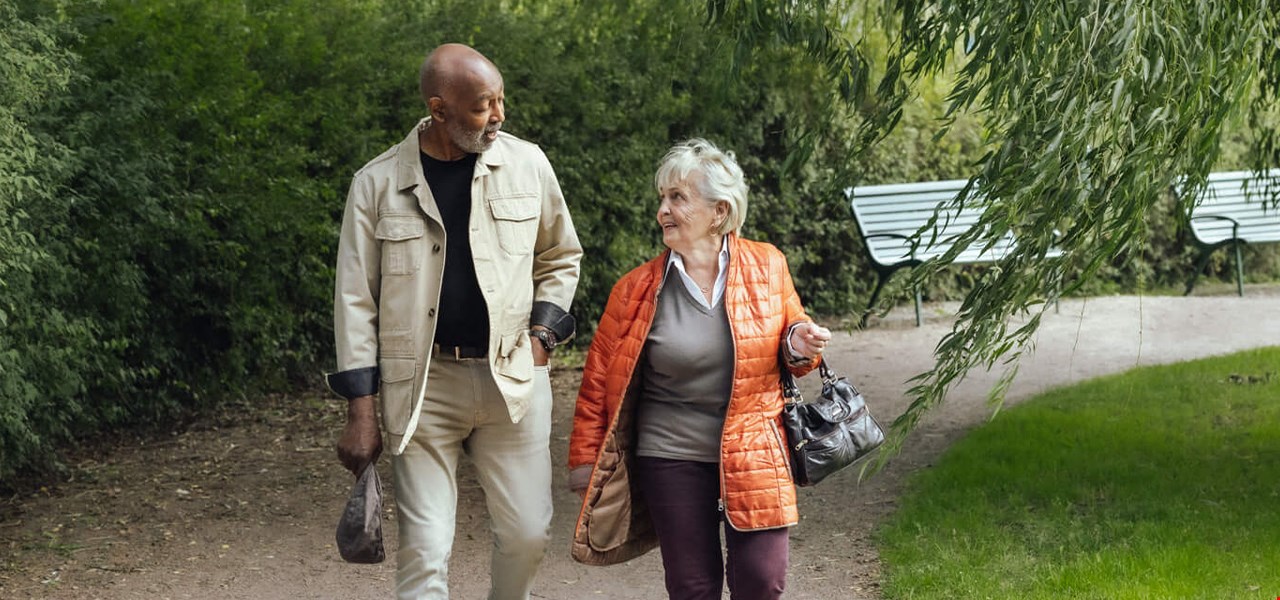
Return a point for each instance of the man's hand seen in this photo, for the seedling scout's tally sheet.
(361, 442)
(540, 355)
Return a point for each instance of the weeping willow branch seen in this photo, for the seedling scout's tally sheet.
(1093, 109)
(1264, 111)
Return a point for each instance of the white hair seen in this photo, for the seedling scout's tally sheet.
(719, 178)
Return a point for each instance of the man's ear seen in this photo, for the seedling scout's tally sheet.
(435, 105)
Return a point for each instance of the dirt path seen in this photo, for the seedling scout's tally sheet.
(244, 507)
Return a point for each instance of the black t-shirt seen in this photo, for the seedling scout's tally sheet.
(462, 319)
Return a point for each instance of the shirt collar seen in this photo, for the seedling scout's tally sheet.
(674, 258)
(722, 274)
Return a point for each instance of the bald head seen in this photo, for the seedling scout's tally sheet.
(464, 95)
(453, 66)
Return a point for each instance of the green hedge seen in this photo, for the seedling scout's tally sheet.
(41, 342)
(172, 174)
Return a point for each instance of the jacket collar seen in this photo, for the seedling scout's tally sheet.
(658, 266)
(409, 161)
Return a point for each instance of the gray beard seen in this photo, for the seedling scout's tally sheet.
(468, 141)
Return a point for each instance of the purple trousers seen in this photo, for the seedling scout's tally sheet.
(684, 501)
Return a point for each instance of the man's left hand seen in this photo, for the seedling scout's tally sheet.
(540, 355)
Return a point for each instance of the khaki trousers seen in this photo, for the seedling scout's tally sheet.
(465, 413)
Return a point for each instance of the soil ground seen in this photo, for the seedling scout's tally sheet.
(243, 505)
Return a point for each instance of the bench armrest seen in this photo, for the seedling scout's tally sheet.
(890, 236)
(1215, 218)
(898, 236)
(1235, 225)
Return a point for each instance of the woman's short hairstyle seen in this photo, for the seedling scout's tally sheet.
(712, 172)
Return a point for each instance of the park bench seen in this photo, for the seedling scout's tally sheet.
(888, 216)
(1235, 208)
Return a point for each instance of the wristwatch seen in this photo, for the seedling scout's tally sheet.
(547, 337)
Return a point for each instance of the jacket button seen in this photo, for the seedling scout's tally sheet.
(431, 312)
(435, 249)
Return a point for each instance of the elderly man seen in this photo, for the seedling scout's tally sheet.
(456, 267)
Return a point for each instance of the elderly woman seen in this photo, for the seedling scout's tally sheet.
(676, 427)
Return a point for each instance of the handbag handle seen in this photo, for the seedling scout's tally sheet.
(791, 391)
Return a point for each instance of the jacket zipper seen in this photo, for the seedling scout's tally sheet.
(720, 505)
(733, 339)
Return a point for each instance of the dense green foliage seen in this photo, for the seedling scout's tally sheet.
(184, 242)
(172, 172)
(40, 339)
(1156, 483)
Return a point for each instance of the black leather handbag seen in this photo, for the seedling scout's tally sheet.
(830, 433)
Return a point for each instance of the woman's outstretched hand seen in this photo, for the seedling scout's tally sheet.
(810, 339)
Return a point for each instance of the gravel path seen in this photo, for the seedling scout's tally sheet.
(222, 549)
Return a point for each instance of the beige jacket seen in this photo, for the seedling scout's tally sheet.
(391, 261)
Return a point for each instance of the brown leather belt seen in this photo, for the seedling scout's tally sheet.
(459, 352)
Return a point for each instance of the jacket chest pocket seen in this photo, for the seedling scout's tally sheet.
(401, 240)
(516, 216)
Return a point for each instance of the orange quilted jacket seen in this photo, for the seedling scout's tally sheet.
(755, 474)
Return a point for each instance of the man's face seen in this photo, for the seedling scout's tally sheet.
(475, 113)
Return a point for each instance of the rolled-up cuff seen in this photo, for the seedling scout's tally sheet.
(789, 352)
(554, 318)
(353, 383)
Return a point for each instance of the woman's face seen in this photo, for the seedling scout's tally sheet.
(687, 219)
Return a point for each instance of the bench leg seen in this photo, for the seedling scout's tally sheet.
(919, 321)
(1239, 271)
(881, 280)
(882, 276)
(1200, 264)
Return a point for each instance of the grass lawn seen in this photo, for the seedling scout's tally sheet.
(1163, 482)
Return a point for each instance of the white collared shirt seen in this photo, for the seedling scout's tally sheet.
(722, 275)
(717, 292)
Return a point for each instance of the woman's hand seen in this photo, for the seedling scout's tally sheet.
(810, 339)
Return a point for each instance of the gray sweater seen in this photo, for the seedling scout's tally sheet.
(687, 375)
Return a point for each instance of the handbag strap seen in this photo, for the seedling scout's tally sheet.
(825, 371)
(791, 391)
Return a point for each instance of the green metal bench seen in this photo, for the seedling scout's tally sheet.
(1234, 209)
(888, 216)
